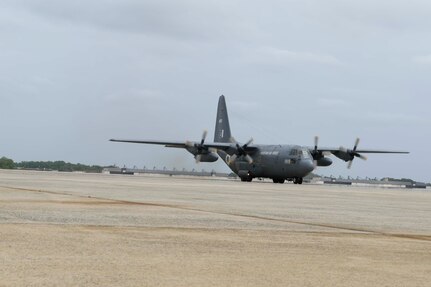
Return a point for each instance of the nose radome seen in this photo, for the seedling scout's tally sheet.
(309, 165)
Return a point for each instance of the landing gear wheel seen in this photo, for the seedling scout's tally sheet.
(297, 180)
(246, 179)
(278, 180)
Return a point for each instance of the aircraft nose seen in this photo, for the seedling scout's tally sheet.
(308, 165)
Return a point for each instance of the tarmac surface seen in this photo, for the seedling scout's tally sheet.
(69, 229)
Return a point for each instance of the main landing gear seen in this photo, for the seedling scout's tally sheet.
(296, 180)
(278, 180)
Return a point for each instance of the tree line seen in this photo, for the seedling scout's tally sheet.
(7, 163)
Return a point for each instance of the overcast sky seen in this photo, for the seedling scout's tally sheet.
(74, 74)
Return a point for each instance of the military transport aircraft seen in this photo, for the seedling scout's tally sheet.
(248, 161)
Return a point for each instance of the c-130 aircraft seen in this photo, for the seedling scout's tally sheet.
(248, 161)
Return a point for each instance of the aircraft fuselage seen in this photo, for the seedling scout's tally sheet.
(273, 161)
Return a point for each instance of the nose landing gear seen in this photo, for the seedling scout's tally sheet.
(297, 180)
(245, 175)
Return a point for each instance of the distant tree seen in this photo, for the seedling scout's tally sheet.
(58, 165)
(6, 163)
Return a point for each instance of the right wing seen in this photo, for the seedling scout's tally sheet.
(166, 144)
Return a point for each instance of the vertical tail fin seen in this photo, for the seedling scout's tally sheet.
(222, 128)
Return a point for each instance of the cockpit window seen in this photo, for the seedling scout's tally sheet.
(305, 153)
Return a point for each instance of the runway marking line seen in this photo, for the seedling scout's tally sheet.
(126, 202)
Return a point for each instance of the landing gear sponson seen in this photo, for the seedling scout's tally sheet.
(296, 180)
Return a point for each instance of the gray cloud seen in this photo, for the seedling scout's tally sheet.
(282, 57)
(423, 59)
(77, 73)
(182, 21)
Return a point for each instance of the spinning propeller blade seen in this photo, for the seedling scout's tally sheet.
(353, 153)
(240, 151)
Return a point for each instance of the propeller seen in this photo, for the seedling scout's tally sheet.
(315, 152)
(240, 151)
(204, 136)
(352, 153)
(199, 146)
(319, 158)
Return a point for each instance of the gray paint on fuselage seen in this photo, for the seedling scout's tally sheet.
(275, 161)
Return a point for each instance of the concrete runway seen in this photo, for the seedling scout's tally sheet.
(67, 229)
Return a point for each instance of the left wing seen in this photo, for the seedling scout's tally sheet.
(334, 150)
(346, 154)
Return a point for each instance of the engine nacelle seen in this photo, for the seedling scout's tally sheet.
(207, 157)
(324, 161)
(343, 155)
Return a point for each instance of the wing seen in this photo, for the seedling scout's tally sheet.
(335, 150)
(380, 151)
(348, 154)
(176, 144)
(343, 153)
(187, 144)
